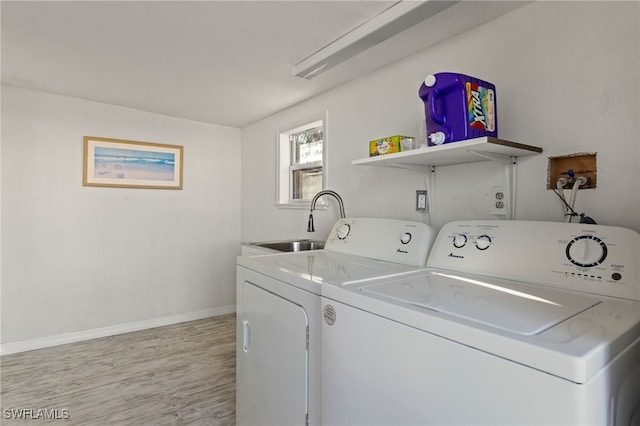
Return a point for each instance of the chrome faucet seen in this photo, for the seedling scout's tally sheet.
(334, 194)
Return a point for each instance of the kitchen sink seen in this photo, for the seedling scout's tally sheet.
(290, 246)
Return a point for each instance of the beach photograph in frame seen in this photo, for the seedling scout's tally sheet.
(131, 164)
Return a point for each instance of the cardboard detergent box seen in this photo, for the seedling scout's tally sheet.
(389, 145)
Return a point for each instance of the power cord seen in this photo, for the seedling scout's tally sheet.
(572, 213)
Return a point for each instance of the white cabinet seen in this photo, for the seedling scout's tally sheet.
(426, 159)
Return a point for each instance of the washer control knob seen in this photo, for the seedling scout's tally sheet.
(483, 242)
(586, 251)
(459, 240)
(405, 238)
(343, 230)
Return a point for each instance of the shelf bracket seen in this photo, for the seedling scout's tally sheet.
(430, 182)
(509, 163)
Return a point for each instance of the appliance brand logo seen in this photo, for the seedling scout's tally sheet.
(456, 256)
(329, 314)
(401, 251)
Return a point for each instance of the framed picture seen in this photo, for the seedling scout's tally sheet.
(130, 164)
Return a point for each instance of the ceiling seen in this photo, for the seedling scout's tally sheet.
(221, 62)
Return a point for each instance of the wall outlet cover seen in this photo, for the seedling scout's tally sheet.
(498, 200)
(421, 201)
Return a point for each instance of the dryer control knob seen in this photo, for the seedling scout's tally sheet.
(483, 242)
(459, 240)
(405, 238)
(343, 230)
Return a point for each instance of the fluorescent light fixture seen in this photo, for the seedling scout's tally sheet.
(394, 20)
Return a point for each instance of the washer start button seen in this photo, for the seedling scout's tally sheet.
(616, 276)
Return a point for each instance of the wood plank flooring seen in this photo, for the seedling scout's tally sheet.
(182, 374)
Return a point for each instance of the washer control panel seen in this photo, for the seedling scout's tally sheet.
(591, 258)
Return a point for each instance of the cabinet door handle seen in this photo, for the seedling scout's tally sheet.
(246, 338)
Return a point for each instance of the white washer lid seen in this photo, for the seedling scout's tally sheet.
(519, 308)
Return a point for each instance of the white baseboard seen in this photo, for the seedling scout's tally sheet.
(61, 339)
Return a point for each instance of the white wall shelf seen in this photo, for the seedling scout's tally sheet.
(468, 151)
(426, 159)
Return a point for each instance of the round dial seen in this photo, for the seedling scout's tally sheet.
(405, 238)
(483, 242)
(459, 240)
(586, 251)
(343, 230)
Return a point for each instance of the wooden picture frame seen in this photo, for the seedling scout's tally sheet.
(131, 164)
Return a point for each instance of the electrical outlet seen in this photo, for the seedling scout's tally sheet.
(498, 201)
(421, 201)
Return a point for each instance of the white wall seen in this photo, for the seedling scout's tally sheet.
(567, 77)
(93, 260)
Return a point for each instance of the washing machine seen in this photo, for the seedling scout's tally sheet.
(279, 312)
(511, 323)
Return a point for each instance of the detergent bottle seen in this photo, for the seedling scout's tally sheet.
(458, 107)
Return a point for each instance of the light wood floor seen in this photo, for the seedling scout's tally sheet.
(181, 374)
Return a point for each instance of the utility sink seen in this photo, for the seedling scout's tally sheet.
(291, 246)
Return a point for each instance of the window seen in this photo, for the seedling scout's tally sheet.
(301, 156)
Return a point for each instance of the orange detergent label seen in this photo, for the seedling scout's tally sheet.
(481, 107)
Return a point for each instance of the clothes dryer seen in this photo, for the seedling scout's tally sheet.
(278, 312)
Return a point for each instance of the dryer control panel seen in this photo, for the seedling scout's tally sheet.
(392, 240)
(595, 259)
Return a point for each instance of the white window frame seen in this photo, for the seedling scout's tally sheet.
(283, 173)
